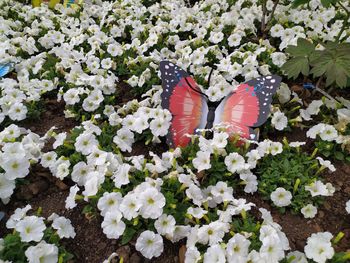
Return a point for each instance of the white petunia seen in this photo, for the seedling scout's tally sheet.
(165, 224)
(202, 161)
(64, 227)
(31, 228)
(281, 197)
(234, 162)
(42, 253)
(279, 120)
(112, 224)
(309, 211)
(319, 247)
(149, 244)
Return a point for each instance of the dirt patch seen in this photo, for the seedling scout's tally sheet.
(53, 115)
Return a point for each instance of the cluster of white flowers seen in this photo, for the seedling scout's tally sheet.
(19, 149)
(31, 229)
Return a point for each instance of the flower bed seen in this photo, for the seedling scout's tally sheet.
(107, 167)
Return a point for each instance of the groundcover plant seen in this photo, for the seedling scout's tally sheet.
(85, 171)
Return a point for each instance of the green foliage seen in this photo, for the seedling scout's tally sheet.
(300, 61)
(292, 170)
(325, 3)
(14, 249)
(333, 62)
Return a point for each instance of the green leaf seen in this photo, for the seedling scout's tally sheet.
(304, 48)
(334, 63)
(295, 66)
(297, 3)
(128, 235)
(339, 155)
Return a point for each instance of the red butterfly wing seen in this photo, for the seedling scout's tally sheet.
(248, 106)
(188, 107)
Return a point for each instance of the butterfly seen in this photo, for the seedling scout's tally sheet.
(6, 68)
(244, 108)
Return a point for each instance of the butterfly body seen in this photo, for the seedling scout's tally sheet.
(211, 113)
(245, 107)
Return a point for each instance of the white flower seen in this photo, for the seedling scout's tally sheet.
(238, 248)
(124, 139)
(278, 58)
(31, 228)
(319, 247)
(234, 162)
(317, 188)
(296, 257)
(315, 130)
(112, 224)
(42, 253)
(234, 40)
(159, 126)
(192, 255)
(130, 206)
(250, 181)
(281, 197)
(326, 163)
(109, 202)
(202, 161)
(284, 93)
(296, 144)
(15, 167)
(153, 202)
(121, 175)
(6, 187)
(220, 140)
(314, 107)
(347, 207)
(271, 249)
(221, 192)
(196, 212)
(214, 254)
(329, 133)
(64, 227)
(216, 37)
(17, 216)
(212, 233)
(309, 211)
(149, 244)
(165, 224)
(86, 143)
(279, 120)
(195, 193)
(70, 201)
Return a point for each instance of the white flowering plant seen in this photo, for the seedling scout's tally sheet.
(36, 238)
(287, 178)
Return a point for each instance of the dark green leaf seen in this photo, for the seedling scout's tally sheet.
(297, 3)
(339, 155)
(128, 235)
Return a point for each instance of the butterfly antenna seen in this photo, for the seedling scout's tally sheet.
(211, 72)
(195, 90)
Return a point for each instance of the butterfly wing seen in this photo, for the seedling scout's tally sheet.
(187, 106)
(248, 106)
(5, 69)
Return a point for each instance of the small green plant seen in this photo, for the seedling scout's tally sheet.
(292, 170)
